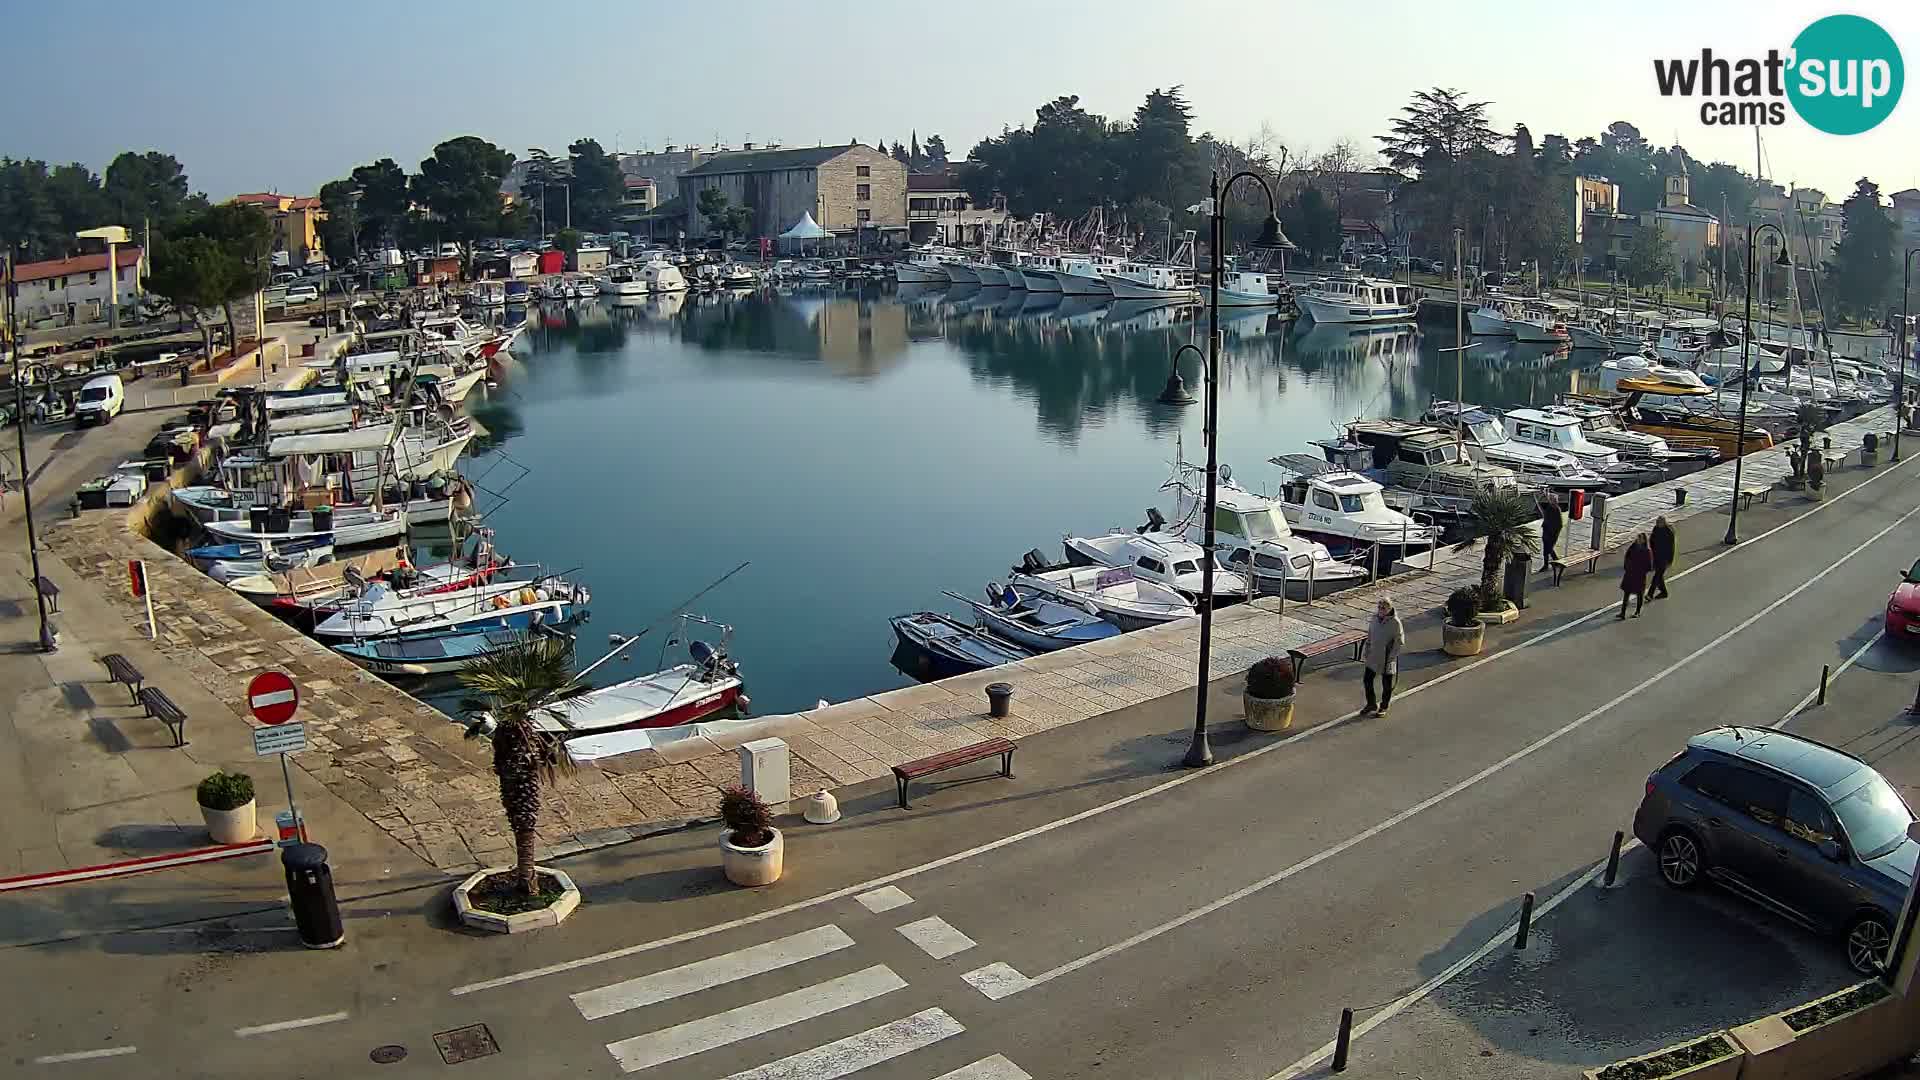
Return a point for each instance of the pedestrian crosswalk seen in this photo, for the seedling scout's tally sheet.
(859, 988)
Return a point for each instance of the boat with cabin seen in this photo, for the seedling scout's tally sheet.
(1346, 511)
(1086, 275)
(1422, 463)
(1114, 593)
(1254, 538)
(1555, 431)
(623, 280)
(1165, 558)
(1486, 439)
(1357, 300)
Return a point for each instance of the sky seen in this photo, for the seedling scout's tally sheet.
(254, 97)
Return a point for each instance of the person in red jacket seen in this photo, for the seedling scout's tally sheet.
(1633, 579)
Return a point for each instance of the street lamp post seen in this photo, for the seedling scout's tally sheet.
(1746, 375)
(47, 642)
(1200, 752)
(1906, 330)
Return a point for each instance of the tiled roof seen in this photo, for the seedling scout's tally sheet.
(933, 181)
(746, 161)
(79, 264)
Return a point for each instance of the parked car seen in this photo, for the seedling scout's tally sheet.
(101, 399)
(1804, 829)
(1903, 607)
(302, 294)
(285, 277)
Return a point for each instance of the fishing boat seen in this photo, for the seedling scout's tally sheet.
(256, 551)
(1086, 275)
(1115, 594)
(1254, 537)
(623, 281)
(925, 266)
(1536, 323)
(1012, 266)
(959, 270)
(943, 646)
(1357, 300)
(706, 683)
(1035, 620)
(1563, 434)
(382, 610)
(989, 275)
(1346, 511)
(298, 592)
(348, 527)
(1247, 288)
(1172, 280)
(1039, 270)
(1602, 426)
(1486, 439)
(428, 653)
(1165, 558)
(1490, 319)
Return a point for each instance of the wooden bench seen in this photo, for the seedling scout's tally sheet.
(1834, 458)
(121, 670)
(161, 708)
(48, 589)
(1355, 641)
(1750, 492)
(1579, 555)
(927, 766)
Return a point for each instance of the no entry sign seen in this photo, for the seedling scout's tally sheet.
(272, 697)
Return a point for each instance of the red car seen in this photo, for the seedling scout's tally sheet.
(1903, 607)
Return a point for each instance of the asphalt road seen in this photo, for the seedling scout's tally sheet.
(1126, 920)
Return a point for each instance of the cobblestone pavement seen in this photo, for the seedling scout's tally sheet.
(411, 772)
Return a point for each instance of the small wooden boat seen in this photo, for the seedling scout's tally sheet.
(707, 683)
(1035, 620)
(945, 646)
(428, 654)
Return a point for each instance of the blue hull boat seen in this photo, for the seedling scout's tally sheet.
(940, 646)
(1034, 620)
(429, 654)
(254, 550)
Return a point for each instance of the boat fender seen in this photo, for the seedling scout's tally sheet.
(500, 602)
(529, 596)
(993, 593)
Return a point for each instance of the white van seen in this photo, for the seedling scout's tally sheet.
(100, 401)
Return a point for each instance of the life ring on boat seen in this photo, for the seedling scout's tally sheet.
(501, 602)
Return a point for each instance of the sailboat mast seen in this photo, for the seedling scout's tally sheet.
(1459, 333)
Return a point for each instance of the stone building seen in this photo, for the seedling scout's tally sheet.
(296, 225)
(940, 211)
(68, 292)
(1690, 230)
(853, 191)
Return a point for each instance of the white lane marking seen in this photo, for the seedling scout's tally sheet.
(720, 1029)
(289, 1025)
(855, 1052)
(885, 899)
(1415, 996)
(1162, 788)
(85, 1055)
(996, 981)
(991, 1068)
(1472, 781)
(715, 971)
(936, 937)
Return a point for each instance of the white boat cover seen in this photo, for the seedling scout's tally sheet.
(682, 743)
(334, 442)
(292, 423)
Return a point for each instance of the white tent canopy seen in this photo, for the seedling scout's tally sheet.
(806, 229)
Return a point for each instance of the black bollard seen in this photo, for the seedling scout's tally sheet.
(1526, 922)
(1826, 672)
(1613, 857)
(310, 890)
(1343, 1041)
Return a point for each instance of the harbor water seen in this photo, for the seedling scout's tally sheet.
(865, 450)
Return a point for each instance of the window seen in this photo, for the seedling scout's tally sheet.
(1188, 567)
(1807, 817)
(1761, 798)
(863, 170)
(1325, 501)
(1226, 521)
(863, 216)
(1151, 566)
(1352, 504)
(1875, 818)
(863, 192)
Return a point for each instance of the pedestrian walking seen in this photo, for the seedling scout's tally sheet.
(1661, 544)
(1633, 579)
(1550, 522)
(1385, 637)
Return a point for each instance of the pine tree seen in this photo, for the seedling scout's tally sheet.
(1861, 269)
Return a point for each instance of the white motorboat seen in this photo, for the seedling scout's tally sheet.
(1115, 594)
(1253, 535)
(1357, 300)
(1039, 272)
(661, 276)
(1645, 369)
(987, 274)
(1487, 440)
(737, 276)
(707, 682)
(1602, 425)
(1085, 275)
(1536, 323)
(1346, 511)
(1490, 319)
(349, 527)
(926, 266)
(959, 270)
(625, 281)
(382, 609)
(1419, 459)
(1159, 557)
(1247, 288)
(1552, 429)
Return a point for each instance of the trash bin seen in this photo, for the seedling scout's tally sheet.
(322, 519)
(310, 891)
(1515, 587)
(257, 518)
(1679, 496)
(999, 700)
(279, 520)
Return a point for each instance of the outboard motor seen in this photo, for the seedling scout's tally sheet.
(1154, 521)
(1033, 562)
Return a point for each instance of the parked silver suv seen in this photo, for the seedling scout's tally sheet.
(1809, 831)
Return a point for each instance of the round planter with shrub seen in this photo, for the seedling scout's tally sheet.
(1463, 634)
(1269, 696)
(751, 850)
(226, 804)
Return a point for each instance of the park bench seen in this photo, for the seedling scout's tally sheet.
(927, 766)
(121, 670)
(46, 588)
(1750, 492)
(1580, 555)
(161, 708)
(1353, 641)
(1834, 458)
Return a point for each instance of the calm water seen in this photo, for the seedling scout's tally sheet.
(865, 451)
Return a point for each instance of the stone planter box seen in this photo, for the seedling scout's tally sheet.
(1725, 1067)
(1463, 640)
(235, 826)
(551, 915)
(1268, 714)
(1842, 1048)
(752, 867)
(1507, 613)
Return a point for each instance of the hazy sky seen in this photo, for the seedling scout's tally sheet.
(254, 96)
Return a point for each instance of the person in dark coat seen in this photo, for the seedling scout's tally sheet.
(1550, 522)
(1661, 545)
(1633, 580)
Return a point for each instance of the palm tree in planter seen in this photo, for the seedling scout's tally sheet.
(512, 685)
(1501, 517)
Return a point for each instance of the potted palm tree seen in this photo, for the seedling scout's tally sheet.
(226, 805)
(1269, 696)
(752, 851)
(511, 686)
(1463, 634)
(1501, 518)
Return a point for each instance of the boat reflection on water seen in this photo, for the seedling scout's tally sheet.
(1137, 316)
(1329, 343)
(1501, 356)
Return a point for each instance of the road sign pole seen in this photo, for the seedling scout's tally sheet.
(286, 776)
(146, 591)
